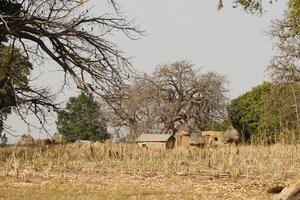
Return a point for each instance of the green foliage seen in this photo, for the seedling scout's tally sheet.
(14, 65)
(252, 6)
(3, 140)
(293, 17)
(14, 70)
(264, 112)
(81, 120)
(244, 111)
(222, 126)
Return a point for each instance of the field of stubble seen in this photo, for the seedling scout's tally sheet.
(123, 171)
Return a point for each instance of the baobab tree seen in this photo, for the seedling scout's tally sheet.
(174, 94)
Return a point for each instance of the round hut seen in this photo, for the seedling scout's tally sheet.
(26, 140)
(183, 136)
(43, 142)
(231, 136)
(196, 139)
(57, 139)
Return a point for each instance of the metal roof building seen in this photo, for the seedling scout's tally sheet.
(156, 141)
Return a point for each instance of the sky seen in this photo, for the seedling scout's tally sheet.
(229, 42)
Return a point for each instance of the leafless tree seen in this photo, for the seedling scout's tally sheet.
(172, 95)
(132, 107)
(188, 96)
(67, 32)
(285, 66)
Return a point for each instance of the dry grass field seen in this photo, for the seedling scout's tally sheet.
(123, 171)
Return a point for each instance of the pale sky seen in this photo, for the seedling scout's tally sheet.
(230, 42)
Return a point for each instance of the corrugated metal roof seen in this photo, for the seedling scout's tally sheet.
(154, 137)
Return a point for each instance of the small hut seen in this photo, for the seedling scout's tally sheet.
(183, 136)
(43, 142)
(231, 136)
(156, 141)
(212, 138)
(183, 139)
(57, 138)
(26, 140)
(196, 139)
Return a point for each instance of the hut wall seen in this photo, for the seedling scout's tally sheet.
(185, 141)
(178, 141)
(213, 138)
(170, 143)
(152, 145)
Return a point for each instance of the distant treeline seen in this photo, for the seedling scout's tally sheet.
(266, 114)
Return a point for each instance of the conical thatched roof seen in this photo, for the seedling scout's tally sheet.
(184, 128)
(57, 139)
(231, 135)
(26, 140)
(196, 138)
(43, 142)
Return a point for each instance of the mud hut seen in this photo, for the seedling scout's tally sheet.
(183, 139)
(196, 139)
(156, 141)
(231, 136)
(183, 136)
(43, 142)
(57, 139)
(212, 138)
(26, 140)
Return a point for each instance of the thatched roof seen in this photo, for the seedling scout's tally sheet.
(43, 142)
(181, 133)
(26, 140)
(57, 138)
(196, 138)
(230, 134)
(184, 128)
(154, 137)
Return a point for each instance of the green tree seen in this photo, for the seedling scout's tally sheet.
(265, 111)
(81, 120)
(14, 70)
(252, 6)
(245, 111)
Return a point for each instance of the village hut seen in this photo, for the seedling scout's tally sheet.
(196, 139)
(156, 141)
(231, 136)
(57, 138)
(183, 139)
(183, 136)
(212, 138)
(84, 142)
(26, 140)
(43, 142)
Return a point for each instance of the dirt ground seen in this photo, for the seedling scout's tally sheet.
(72, 185)
(141, 178)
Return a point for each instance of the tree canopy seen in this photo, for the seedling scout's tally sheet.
(74, 37)
(14, 70)
(265, 112)
(252, 6)
(175, 93)
(82, 120)
(285, 32)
